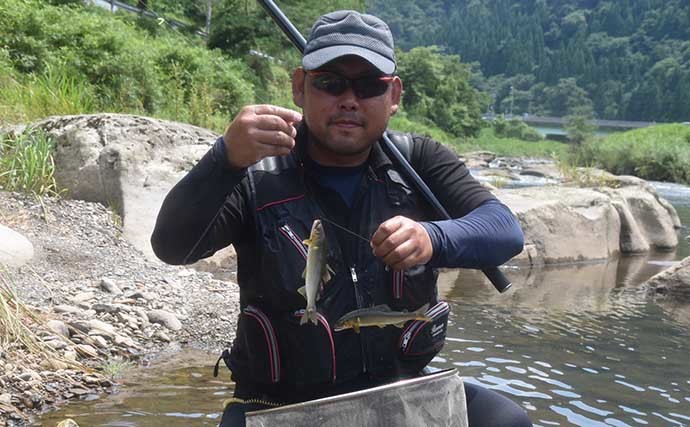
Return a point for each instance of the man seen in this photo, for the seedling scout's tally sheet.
(275, 171)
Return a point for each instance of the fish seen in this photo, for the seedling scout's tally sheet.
(380, 316)
(317, 270)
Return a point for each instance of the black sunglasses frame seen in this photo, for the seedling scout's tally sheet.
(363, 87)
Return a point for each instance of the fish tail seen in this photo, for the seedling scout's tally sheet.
(309, 316)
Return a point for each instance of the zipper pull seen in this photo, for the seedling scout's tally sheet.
(353, 274)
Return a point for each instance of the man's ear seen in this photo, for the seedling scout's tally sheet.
(298, 77)
(396, 94)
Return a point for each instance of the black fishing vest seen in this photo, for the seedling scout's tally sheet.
(272, 350)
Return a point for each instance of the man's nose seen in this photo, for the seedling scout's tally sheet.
(348, 100)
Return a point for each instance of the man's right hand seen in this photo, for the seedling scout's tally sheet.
(260, 131)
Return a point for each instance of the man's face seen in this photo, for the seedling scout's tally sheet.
(344, 126)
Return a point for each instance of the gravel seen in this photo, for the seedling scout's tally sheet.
(116, 306)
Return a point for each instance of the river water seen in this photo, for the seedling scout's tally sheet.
(574, 345)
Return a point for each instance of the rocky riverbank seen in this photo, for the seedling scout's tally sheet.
(99, 304)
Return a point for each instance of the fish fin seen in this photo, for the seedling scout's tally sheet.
(382, 307)
(309, 316)
(326, 277)
(356, 327)
(303, 291)
(306, 242)
(400, 324)
(330, 270)
(304, 273)
(422, 310)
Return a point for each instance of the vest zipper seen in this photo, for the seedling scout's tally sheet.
(360, 304)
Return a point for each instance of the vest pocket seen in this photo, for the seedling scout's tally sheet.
(255, 352)
(309, 351)
(413, 287)
(420, 341)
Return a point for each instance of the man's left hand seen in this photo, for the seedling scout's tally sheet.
(402, 243)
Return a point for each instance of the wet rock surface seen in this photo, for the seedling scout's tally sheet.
(99, 303)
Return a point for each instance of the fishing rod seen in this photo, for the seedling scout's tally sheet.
(495, 276)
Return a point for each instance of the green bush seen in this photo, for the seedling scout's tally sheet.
(515, 128)
(659, 153)
(92, 60)
(511, 147)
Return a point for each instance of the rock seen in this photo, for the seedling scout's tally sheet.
(672, 283)
(57, 344)
(59, 327)
(83, 297)
(165, 318)
(124, 341)
(127, 162)
(16, 250)
(105, 308)
(99, 327)
(656, 221)
(110, 286)
(568, 224)
(162, 336)
(68, 423)
(99, 341)
(86, 350)
(65, 308)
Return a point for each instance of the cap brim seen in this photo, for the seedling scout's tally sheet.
(320, 57)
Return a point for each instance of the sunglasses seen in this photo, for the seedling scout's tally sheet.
(363, 87)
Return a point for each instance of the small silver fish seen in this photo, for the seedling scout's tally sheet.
(315, 271)
(380, 316)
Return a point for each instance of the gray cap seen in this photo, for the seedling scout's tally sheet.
(347, 32)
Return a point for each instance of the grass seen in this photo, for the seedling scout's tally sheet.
(54, 91)
(15, 332)
(511, 147)
(660, 153)
(26, 163)
(115, 367)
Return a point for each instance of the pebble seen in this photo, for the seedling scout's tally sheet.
(165, 318)
(110, 286)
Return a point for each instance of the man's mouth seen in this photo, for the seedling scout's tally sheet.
(346, 123)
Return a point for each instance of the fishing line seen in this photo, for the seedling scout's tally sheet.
(345, 229)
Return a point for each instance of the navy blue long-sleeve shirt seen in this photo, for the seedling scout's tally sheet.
(482, 233)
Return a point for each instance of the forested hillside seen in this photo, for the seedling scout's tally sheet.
(620, 59)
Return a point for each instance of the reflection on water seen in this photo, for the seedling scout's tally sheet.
(576, 345)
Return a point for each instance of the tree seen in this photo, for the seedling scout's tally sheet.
(436, 88)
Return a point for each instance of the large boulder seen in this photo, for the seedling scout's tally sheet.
(126, 162)
(564, 225)
(570, 224)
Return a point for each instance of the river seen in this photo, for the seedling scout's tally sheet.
(574, 345)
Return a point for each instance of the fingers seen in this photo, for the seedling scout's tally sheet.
(259, 131)
(402, 243)
(289, 116)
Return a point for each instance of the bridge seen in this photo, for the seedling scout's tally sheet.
(554, 127)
